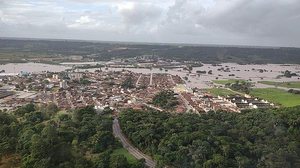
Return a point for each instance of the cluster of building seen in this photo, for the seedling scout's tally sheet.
(78, 89)
(202, 101)
(145, 61)
(69, 90)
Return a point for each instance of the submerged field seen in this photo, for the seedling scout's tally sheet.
(294, 84)
(223, 82)
(277, 96)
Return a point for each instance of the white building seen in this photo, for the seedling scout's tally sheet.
(55, 76)
(75, 75)
(63, 84)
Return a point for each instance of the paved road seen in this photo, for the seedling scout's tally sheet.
(68, 95)
(153, 107)
(240, 93)
(131, 149)
(172, 80)
(138, 80)
(186, 103)
(151, 79)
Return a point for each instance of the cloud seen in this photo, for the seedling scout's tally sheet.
(255, 22)
(84, 22)
(139, 13)
(275, 21)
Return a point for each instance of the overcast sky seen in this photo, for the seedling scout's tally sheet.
(231, 22)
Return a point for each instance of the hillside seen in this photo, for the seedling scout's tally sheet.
(17, 49)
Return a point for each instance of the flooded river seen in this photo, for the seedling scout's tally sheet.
(245, 72)
(13, 68)
(268, 72)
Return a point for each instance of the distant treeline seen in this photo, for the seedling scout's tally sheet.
(105, 51)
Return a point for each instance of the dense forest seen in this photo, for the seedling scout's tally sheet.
(43, 137)
(21, 48)
(253, 138)
(165, 99)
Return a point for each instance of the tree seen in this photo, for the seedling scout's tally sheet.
(25, 109)
(57, 140)
(287, 74)
(51, 108)
(118, 161)
(102, 140)
(84, 81)
(38, 156)
(128, 83)
(103, 160)
(165, 99)
(8, 133)
(253, 138)
(139, 164)
(107, 110)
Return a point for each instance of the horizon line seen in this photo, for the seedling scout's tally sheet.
(148, 43)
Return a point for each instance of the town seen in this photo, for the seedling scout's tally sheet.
(149, 84)
(117, 90)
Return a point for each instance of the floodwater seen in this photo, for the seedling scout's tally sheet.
(82, 63)
(14, 68)
(246, 72)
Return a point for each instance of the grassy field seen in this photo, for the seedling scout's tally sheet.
(220, 92)
(223, 82)
(277, 96)
(124, 152)
(282, 84)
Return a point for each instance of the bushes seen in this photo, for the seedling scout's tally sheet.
(294, 91)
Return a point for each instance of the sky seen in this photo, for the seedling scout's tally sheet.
(228, 22)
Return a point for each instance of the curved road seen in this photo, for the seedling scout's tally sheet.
(131, 149)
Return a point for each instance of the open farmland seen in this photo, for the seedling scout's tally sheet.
(277, 96)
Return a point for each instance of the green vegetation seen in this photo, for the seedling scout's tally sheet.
(253, 138)
(220, 92)
(91, 66)
(57, 51)
(128, 83)
(237, 85)
(124, 152)
(43, 137)
(201, 72)
(84, 81)
(278, 96)
(294, 91)
(293, 84)
(165, 99)
(289, 74)
(229, 81)
(240, 86)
